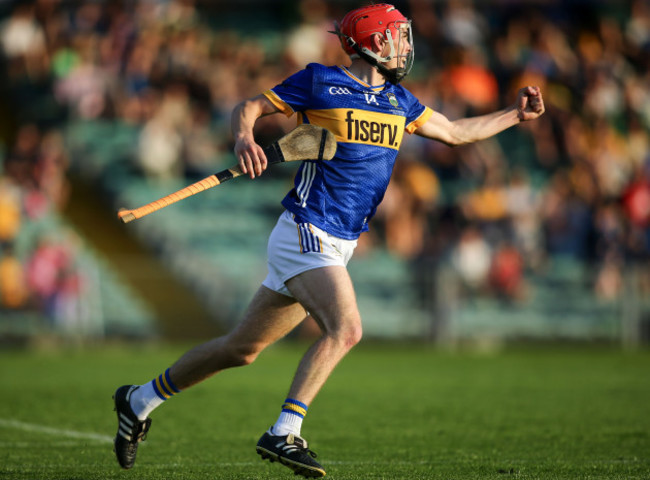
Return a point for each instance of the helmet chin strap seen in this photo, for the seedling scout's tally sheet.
(393, 75)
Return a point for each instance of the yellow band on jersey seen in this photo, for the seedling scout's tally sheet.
(350, 125)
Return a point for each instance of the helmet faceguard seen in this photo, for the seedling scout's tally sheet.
(358, 28)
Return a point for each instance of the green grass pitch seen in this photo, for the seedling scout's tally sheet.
(388, 412)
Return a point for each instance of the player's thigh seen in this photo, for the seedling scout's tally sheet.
(328, 294)
(270, 316)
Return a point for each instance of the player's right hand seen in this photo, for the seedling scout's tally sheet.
(250, 156)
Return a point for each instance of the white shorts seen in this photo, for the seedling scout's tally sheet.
(295, 248)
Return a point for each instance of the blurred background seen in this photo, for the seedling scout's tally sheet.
(541, 233)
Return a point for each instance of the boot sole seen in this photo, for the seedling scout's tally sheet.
(298, 468)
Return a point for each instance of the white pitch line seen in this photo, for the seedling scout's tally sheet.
(32, 427)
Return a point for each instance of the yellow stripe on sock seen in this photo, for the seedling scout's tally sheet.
(295, 408)
(161, 389)
(170, 389)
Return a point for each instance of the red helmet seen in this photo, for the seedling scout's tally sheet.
(361, 24)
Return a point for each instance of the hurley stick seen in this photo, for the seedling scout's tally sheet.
(305, 142)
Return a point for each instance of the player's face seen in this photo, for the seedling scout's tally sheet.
(402, 47)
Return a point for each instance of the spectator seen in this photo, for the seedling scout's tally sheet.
(472, 258)
(462, 24)
(506, 275)
(22, 158)
(13, 290)
(522, 206)
(566, 219)
(161, 140)
(84, 90)
(10, 211)
(23, 41)
(413, 192)
(44, 270)
(472, 81)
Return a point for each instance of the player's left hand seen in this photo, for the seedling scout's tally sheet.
(530, 104)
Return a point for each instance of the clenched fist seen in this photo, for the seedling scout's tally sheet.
(530, 104)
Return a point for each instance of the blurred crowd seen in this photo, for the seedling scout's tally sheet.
(39, 265)
(575, 183)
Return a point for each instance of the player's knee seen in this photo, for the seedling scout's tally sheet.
(246, 358)
(348, 335)
(354, 335)
(248, 354)
(242, 355)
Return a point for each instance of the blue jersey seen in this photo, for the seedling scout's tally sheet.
(340, 196)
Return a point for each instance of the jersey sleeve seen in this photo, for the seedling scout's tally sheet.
(417, 114)
(420, 120)
(294, 94)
